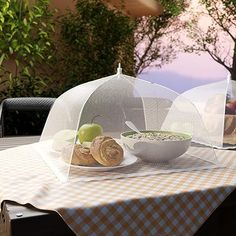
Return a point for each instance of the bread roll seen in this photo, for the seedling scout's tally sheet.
(106, 151)
(80, 156)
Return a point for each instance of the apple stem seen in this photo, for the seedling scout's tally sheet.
(94, 118)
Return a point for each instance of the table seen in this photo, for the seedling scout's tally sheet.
(11, 142)
(138, 207)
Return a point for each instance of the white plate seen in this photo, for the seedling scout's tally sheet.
(128, 160)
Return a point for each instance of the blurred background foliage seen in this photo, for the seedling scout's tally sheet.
(25, 47)
(43, 54)
(93, 41)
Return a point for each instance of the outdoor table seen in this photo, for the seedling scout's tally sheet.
(164, 204)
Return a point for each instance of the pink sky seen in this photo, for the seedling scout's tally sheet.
(186, 72)
(199, 67)
(192, 65)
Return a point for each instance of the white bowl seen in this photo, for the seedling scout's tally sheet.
(155, 150)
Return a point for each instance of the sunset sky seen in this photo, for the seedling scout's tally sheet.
(186, 72)
(195, 66)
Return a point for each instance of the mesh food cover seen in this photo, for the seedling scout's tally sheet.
(216, 103)
(90, 131)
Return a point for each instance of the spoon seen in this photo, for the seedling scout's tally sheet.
(131, 125)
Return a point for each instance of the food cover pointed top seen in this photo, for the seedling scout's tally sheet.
(86, 136)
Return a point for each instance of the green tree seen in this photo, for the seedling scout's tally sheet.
(95, 39)
(91, 39)
(86, 45)
(25, 47)
(153, 41)
(212, 39)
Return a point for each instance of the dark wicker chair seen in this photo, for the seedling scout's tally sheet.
(24, 115)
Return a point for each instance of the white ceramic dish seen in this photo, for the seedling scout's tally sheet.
(156, 151)
(129, 159)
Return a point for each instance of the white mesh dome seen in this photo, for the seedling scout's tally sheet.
(110, 102)
(216, 103)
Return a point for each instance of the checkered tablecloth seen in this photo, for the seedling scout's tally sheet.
(164, 204)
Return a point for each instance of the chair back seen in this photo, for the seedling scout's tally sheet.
(24, 115)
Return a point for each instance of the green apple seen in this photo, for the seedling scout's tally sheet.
(88, 132)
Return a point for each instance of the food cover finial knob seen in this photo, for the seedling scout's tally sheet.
(119, 69)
